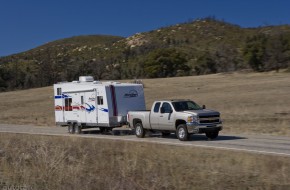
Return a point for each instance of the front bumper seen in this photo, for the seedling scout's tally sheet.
(195, 128)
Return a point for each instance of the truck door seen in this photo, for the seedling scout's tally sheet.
(154, 116)
(166, 120)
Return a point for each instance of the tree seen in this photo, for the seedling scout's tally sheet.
(278, 50)
(255, 52)
(227, 58)
(264, 53)
(206, 64)
(4, 75)
(165, 63)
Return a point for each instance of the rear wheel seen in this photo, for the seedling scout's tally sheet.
(182, 133)
(139, 130)
(78, 129)
(71, 128)
(212, 135)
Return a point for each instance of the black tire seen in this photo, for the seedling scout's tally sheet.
(71, 128)
(139, 130)
(212, 135)
(78, 129)
(102, 129)
(165, 134)
(182, 133)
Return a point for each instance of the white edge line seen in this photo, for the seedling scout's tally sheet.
(158, 142)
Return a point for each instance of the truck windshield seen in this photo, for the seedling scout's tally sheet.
(185, 105)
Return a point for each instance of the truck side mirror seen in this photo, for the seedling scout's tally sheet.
(203, 107)
(162, 110)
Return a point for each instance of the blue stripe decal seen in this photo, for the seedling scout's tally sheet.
(104, 110)
(90, 108)
(62, 96)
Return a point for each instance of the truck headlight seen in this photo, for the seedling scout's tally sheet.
(192, 119)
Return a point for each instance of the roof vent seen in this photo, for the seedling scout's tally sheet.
(86, 79)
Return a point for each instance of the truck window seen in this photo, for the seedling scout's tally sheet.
(167, 108)
(156, 107)
(58, 91)
(185, 105)
(68, 106)
(100, 100)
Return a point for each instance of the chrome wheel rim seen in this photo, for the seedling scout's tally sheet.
(181, 133)
(138, 130)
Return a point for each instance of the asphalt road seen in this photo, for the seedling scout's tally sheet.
(260, 144)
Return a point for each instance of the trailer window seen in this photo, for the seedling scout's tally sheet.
(156, 107)
(82, 100)
(100, 100)
(68, 106)
(58, 91)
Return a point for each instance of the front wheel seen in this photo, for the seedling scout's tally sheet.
(212, 135)
(139, 130)
(182, 133)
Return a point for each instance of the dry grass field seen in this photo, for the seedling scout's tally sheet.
(257, 103)
(45, 162)
(249, 102)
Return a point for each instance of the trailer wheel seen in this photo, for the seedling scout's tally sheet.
(78, 129)
(212, 135)
(182, 133)
(71, 128)
(139, 130)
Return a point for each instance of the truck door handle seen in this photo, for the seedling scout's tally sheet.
(161, 115)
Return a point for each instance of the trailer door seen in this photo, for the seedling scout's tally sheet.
(90, 107)
(82, 111)
(102, 107)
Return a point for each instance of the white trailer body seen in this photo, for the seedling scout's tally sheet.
(89, 103)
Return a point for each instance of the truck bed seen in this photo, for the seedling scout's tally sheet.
(136, 116)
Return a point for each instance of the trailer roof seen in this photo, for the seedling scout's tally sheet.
(98, 83)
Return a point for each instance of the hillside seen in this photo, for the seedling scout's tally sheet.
(255, 103)
(198, 47)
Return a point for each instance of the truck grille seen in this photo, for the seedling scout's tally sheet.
(209, 119)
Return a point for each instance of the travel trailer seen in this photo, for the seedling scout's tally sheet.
(87, 103)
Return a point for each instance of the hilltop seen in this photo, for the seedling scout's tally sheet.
(201, 46)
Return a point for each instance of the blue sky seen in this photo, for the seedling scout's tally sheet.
(26, 24)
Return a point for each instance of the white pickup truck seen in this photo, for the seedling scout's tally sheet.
(184, 117)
